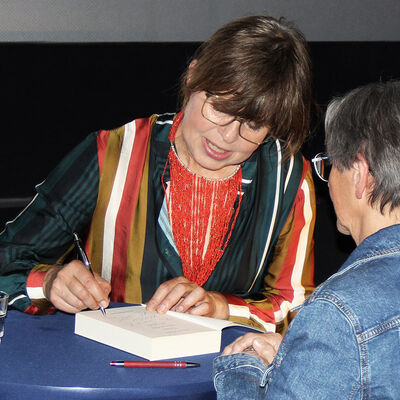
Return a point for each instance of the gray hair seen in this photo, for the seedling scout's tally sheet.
(366, 121)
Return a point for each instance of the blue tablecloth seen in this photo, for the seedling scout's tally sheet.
(41, 358)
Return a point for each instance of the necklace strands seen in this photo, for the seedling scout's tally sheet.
(202, 214)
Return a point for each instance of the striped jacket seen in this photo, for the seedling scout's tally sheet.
(109, 189)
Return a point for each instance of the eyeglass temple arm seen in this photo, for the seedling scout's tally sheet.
(319, 158)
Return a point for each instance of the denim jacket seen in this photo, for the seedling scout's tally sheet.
(344, 343)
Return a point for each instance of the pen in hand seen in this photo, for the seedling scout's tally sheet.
(85, 260)
(154, 364)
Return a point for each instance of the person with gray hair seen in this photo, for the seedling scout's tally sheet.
(344, 341)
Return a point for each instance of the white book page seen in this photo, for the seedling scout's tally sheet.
(153, 324)
(150, 324)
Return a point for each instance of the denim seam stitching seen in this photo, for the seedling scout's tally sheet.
(377, 255)
(266, 376)
(361, 346)
(343, 308)
(377, 330)
(240, 366)
(364, 370)
(355, 264)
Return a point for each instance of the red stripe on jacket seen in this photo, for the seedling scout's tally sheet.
(127, 208)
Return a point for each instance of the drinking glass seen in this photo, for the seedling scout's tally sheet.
(3, 312)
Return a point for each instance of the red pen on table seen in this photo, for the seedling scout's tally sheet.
(154, 364)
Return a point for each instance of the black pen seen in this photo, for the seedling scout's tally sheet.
(154, 364)
(85, 260)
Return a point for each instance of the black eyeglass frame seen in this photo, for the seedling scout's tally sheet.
(238, 119)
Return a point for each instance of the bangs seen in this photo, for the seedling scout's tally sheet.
(245, 107)
(263, 96)
(260, 69)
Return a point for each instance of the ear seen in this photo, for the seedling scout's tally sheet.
(361, 176)
(192, 63)
(190, 68)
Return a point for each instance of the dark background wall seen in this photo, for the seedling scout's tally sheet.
(70, 67)
(53, 95)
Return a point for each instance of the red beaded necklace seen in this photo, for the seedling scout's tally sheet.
(201, 212)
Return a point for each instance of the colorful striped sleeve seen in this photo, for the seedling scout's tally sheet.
(290, 276)
(42, 233)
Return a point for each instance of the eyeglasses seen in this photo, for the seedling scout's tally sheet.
(246, 131)
(322, 166)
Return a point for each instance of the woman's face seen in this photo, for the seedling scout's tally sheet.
(208, 149)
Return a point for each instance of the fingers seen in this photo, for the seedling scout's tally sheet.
(267, 346)
(170, 294)
(72, 288)
(106, 289)
(181, 295)
(240, 344)
(213, 304)
(264, 345)
(87, 289)
(194, 299)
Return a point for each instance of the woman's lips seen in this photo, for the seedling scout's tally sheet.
(214, 151)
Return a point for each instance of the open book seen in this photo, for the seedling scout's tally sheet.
(151, 335)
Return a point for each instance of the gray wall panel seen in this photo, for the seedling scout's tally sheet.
(191, 20)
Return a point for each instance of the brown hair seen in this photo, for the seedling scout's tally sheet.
(261, 66)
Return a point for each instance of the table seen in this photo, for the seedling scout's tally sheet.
(41, 358)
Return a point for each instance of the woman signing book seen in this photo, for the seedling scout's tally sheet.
(208, 211)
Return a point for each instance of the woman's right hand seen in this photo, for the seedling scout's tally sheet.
(73, 288)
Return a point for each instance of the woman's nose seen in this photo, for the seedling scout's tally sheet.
(230, 132)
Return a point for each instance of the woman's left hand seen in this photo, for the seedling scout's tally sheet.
(263, 345)
(181, 295)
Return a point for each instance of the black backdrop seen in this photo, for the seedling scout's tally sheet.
(53, 95)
